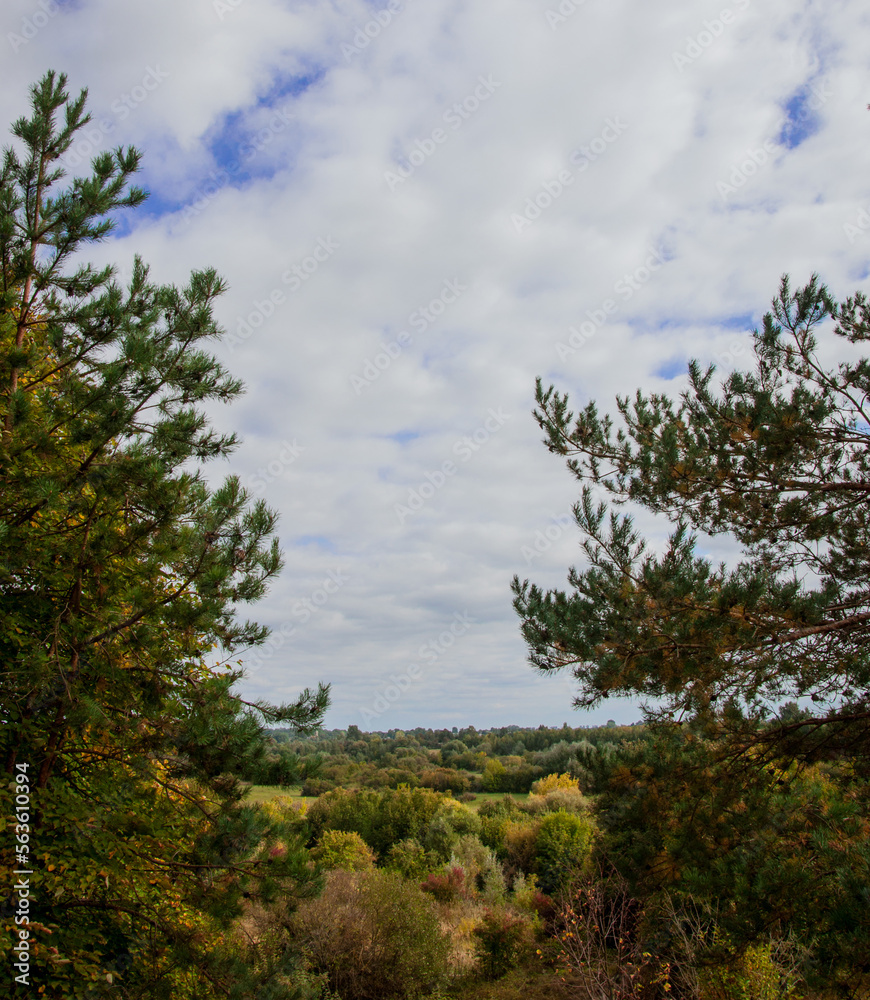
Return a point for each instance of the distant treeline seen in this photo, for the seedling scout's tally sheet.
(508, 759)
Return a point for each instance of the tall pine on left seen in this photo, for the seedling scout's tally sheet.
(120, 574)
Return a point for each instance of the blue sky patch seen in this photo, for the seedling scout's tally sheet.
(321, 541)
(802, 120)
(403, 437)
(742, 322)
(671, 369)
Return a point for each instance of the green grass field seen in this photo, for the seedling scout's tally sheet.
(262, 793)
(495, 796)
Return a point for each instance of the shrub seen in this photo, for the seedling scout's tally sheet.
(494, 884)
(447, 886)
(519, 777)
(502, 938)
(521, 844)
(562, 847)
(599, 947)
(440, 837)
(450, 823)
(501, 808)
(493, 775)
(570, 800)
(375, 936)
(392, 777)
(285, 809)
(445, 779)
(409, 858)
(343, 849)
(759, 974)
(382, 817)
(471, 854)
(553, 781)
(317, 786)
(546, 910)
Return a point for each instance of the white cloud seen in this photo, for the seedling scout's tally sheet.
(253, 194)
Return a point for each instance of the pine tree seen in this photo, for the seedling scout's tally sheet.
(752, 798)
(779, 459)
(121, 572)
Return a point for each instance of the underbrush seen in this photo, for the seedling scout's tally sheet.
(427, 898)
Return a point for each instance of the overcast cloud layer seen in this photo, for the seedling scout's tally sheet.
(417, 206)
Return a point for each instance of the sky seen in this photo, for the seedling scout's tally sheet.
(418, 209)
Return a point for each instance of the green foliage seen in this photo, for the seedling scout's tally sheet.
(764, 848)
(474, 858)
(345, 850)
(445, 779)
(410, 859)
(440, 838)
(376, 936)
(563, 845)
(121, 570)
(448, 825)
(778, 458)
(494, 887)
(332, 759)
(381, 817)
(755, 976)
(493, 776)
(739, 801)
(502, 938)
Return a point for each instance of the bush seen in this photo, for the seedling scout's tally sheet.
(519, 777)
(342, 849)
(440, 837)
(392, 777)
(450, 823)
(757, 975)
(374, 935)
(382, 817)
(500, 808)
(409, 858)
(445, 779)
(494, 886)
(553, 781)
(570, 800)
(502, 938)
(599, 946)
(493, 775)
(562, 848)
(317, 786)
(447, 886)
(521, 844)
(471, 854)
